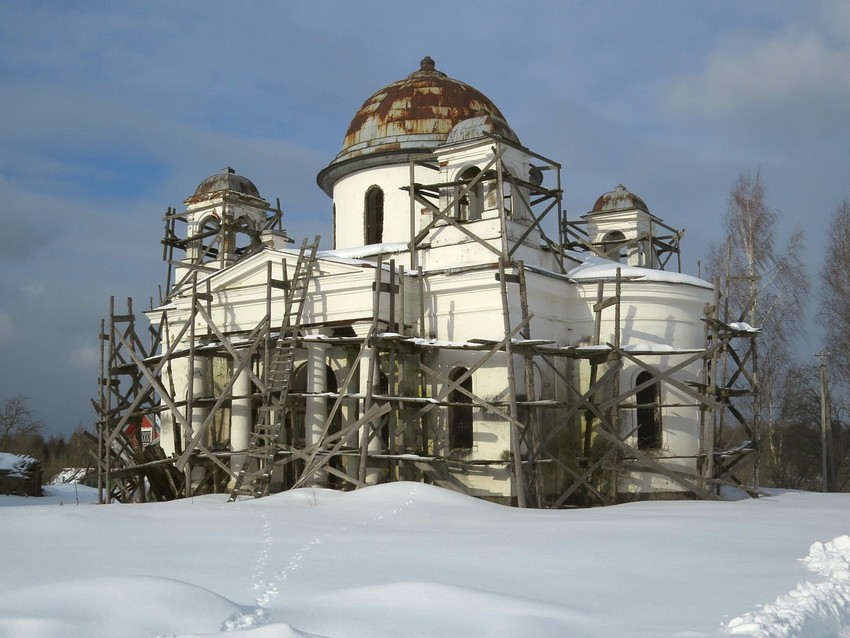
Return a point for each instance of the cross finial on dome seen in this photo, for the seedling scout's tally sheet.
(428, 69)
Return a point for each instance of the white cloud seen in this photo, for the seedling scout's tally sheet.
(794, 84)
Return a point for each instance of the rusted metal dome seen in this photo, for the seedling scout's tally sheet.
(226, 179)
(619, 199)
(417, 112)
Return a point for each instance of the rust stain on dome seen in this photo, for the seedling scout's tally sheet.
(225, 180)
(619, 199)
(417, 112)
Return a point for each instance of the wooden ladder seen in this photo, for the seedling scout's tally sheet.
(255, 475)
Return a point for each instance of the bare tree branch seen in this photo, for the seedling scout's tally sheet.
(16, 421)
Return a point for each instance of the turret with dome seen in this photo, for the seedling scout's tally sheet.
(226, 219)
(621, 226)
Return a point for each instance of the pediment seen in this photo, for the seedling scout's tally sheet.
(253, 271)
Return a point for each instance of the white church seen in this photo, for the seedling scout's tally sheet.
(461, 331)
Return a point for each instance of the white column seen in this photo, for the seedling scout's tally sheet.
(172, 376)
(316, 406)
(373, 474)
(241, 417)
(200, 390)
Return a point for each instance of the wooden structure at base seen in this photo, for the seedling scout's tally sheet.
(135, 384)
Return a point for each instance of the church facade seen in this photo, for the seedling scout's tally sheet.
(461, 330)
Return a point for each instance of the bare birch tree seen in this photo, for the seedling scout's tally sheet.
(835, 295)
(767, 287)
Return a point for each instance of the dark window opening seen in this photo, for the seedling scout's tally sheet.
(614, 246)
(648, 413)
(460, 412)
(471, 205)
(208, 239)
(374, 228)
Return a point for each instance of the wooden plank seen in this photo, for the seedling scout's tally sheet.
(310, 454)
(658, 467)
(475, 398)
(581, 481)
(441, 476)
(447, 390)
(666, 376)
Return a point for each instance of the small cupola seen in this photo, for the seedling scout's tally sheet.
(621, 228)
(225, 180)
(225, 217)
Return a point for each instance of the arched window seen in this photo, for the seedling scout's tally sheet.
(207, 239)
(614, 245)
(374, 217)
(471, 205)
(460, 412)
(648, 413)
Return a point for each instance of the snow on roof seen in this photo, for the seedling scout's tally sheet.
(594, 268)
(361, 252)
(743, 326)
(15, 465)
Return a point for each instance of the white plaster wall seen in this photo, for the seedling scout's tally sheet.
(349, 200)
(653, 312)
(176, 375)
(449, 246)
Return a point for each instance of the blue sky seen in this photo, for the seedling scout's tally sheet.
(110, 112)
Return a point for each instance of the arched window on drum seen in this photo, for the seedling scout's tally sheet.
(374, 216)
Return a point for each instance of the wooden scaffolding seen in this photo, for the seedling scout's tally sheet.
(564, 451)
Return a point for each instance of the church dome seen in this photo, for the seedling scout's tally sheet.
(619, 199)
(226, 179)
(412, 115)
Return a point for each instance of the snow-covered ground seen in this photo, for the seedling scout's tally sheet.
(413, 560)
